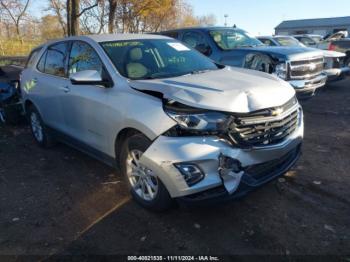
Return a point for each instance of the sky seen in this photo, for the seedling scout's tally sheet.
(260, 17)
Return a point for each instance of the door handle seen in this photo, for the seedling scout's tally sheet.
(35, 80)
(65, 89)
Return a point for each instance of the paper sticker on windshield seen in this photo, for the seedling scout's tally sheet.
(179, 46)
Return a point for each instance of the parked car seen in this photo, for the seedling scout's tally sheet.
(178, 125)
(336, 42)
(309, 39)
(333, 61)
(280, 40)
(301, 67)
(10, 104)
(10, 107)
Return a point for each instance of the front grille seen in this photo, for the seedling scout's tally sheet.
(265, 127)
(306, 69)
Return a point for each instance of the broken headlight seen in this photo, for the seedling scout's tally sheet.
(198, 121)
(281, 70)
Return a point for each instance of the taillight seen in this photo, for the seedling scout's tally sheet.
(331, 47)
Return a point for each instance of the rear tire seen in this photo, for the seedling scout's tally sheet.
(38, 128)
(145, 187)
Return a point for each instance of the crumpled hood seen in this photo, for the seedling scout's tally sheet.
(229, 89)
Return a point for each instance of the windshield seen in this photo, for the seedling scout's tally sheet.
(156, 58)
(288, 41)
(228, 39)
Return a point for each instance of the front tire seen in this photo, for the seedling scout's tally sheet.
(39, 131)
(145, 187)
(347, 61)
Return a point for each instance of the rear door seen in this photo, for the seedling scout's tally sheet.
(47, 83)
(85, 105)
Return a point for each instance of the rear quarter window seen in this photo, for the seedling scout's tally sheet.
(32, 57)
(41, 64)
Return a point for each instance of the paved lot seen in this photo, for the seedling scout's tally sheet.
(60, 201)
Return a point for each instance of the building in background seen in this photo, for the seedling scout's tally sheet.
(320, 26)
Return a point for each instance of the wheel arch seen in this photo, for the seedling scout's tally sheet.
(121, 137)
(27, 104)
(251, 60)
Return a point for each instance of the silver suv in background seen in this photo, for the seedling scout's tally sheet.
(178, 125)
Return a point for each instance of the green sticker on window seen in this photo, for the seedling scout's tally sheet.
(123, 44)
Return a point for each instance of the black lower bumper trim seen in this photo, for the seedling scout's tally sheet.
(248, 183)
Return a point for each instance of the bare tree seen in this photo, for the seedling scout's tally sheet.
(94, 20)
(58, 7)
(73, 14)
(16, 10)
(112, 15)
(207, 20)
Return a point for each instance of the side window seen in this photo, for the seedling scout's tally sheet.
(193, 39)
(56, 60)
(197, 41)
(172, 34)
(267, 42)
(307, 41)
(83, 57)
(41, 64)
(32, 57)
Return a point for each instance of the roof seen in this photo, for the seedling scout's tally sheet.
(110, 37)
(332, 21)
(202, 28)
(308, 35)
(264, 37)
(117, 37)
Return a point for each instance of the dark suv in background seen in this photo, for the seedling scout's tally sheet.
(302, 67)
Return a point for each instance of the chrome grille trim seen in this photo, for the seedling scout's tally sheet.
(257, 131)
(307, 68)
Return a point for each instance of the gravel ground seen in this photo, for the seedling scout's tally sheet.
(61, 202)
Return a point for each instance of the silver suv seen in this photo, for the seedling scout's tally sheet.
(177, 125)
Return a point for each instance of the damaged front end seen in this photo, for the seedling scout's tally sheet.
(209, 154)
(10, 105)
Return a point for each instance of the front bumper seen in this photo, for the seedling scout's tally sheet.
(308, 86)
(336, 74)
(205, 153)
(248, 183)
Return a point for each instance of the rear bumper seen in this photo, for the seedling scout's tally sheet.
(308, 87)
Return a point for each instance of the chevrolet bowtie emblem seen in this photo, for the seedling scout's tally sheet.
(276, 111)
(312, 66)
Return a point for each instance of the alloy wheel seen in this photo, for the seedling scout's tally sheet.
(36, 127)
(142, 179)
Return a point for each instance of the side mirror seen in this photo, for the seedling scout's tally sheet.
(88, 77)
(204, 49)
